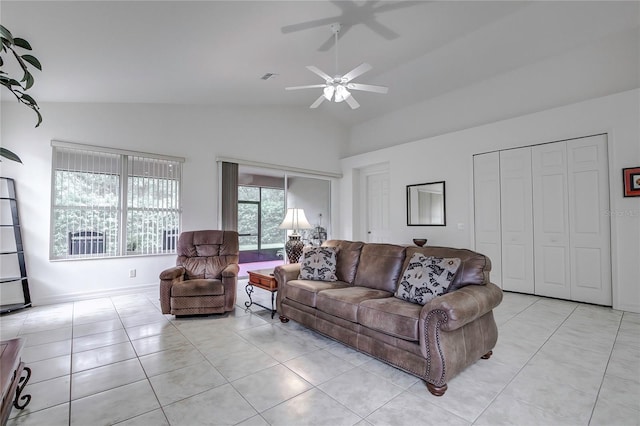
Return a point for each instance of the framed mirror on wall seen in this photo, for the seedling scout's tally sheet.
(426, 204)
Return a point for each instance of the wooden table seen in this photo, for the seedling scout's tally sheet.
(264, 279)
(11, 378)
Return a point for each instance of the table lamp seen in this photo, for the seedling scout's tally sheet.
(294, 220)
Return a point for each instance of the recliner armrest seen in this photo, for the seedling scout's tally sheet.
(167, 278)
(231, 270)
(172, 273)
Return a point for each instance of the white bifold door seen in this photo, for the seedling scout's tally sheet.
(517, 220)
(551, 220)
(554, 234)
(589, 225)
(486, 187)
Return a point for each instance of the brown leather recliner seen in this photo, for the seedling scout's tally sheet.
(205, 277)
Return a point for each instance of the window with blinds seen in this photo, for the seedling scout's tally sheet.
(108, 202)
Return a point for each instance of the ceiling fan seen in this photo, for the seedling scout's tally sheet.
(337, 88)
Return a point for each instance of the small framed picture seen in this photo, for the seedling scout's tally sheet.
(631, 178)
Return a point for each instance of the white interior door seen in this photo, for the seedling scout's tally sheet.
(376, 189)
(589, 225)
(486, 193)
(551, 220)
(517, 221)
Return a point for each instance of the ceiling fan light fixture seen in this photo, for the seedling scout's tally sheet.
(341, 93)
(328, 92)
(337, 87)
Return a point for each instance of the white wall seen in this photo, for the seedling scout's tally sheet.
(314, 196)
(449, 157)
(290, 136)
(610, 65)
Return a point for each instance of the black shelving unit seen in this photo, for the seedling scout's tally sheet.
(18, 253)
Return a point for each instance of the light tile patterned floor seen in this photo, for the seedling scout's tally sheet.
(118, 360)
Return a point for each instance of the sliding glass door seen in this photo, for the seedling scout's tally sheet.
(260, 211)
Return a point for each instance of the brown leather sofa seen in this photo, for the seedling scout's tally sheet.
(205, 277)
(434, 342)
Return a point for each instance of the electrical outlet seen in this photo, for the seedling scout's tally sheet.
(461, 226)
(132, 273)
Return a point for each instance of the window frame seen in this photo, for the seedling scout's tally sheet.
(123, 195)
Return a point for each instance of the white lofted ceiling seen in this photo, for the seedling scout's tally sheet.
(214, 52)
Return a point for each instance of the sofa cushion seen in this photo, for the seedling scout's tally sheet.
(343, 302)
(380, 266)
(474, 269)
(426, 278)
(347, 259)
(318, 263)
(198, 287)
(391, 316)
(306, 291)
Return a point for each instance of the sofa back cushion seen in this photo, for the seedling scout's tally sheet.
(347, 260)
(204, 254)
(380, 266)
(474, 268)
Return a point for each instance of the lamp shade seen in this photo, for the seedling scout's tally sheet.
(328, 92)
(341, 93)
(295, 219)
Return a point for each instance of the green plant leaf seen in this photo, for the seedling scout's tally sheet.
(1, 61)
(29, 81)
(33, 61)
(20, 42)
(9, 155)
(6, 34)
(29, 99)
(14, 82)
(39, 117)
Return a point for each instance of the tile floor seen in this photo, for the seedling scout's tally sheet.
(118, 360)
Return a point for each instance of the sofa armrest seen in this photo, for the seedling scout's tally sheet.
(167, 278)
(283, 274)
(457, 328)
(463, 306)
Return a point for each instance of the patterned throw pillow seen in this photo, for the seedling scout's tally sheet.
(426, 278)
(318, 263)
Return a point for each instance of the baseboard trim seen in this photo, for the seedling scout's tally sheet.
(85, 295)
(628, 308)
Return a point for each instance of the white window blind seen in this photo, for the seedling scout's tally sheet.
(107, 202)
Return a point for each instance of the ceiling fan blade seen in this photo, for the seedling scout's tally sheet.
(381, 29)
(387, 7)
(359, 70)
(311, 86)
(368, 87)
(352, 102)
(322, 74)
(308, 25)
(317, 102)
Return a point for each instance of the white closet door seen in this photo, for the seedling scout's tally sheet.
(589, 225)
(551, 220)
(486, 192)
(517, 221)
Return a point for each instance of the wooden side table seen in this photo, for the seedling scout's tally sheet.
(11, 377)
(264, 279)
